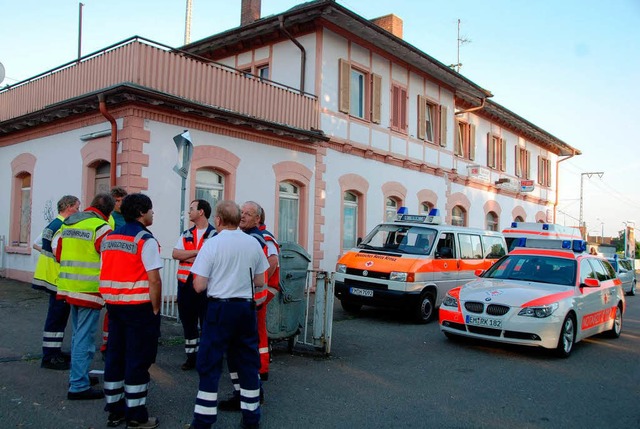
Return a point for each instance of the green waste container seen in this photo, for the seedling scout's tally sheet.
(286, 311)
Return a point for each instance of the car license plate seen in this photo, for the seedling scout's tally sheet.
(360, 292)
(483, 321)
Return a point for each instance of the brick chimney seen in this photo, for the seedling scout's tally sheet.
(250, 12)
(391, 23)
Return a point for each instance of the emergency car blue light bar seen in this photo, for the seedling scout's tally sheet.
(545, 226)
(514, 224)
(402, 210)
(566, 244)
(579, 246)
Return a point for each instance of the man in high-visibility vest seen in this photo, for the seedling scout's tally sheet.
(131, 286)
(192, 305)
(78, 252)
(250, 221)
(46, 278)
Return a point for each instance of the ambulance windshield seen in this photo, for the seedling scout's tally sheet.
(398, 238)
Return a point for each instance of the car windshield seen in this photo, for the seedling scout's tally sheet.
(415, 240)
(534, 268)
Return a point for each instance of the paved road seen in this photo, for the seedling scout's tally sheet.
(383, 372)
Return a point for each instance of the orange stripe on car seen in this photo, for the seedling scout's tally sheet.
(450, 316)
(544, 252)
(549, 299)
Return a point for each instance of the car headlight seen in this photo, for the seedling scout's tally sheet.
(539, 312)
(398, 276)
(341, 268)
(450, 301)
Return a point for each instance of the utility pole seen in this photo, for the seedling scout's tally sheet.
(600, 174)
(80, 6)
(187, 24)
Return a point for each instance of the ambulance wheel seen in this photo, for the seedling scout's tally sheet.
(616, 329)
(350, 307)
(567, 337)
(426, 307)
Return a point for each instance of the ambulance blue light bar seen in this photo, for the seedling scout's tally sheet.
(432, 218)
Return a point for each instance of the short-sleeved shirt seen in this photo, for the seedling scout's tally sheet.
(230, 260)
(151, 255)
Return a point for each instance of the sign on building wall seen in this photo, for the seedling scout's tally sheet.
(479, 173)
(527, 186)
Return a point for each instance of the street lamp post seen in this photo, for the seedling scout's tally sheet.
(599, 173)
(185, 149)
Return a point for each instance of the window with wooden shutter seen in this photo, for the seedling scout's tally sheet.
(376, 98)
(503, 155)
(518, 153)
(344, 93)
(398, 108)
(442, 135)
(422, 117)
(472, 142)
(459, 141)
(491, 152)
(540, 172)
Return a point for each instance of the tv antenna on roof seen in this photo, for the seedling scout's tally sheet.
(461, 41)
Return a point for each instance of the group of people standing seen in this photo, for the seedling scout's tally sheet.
(228, 271)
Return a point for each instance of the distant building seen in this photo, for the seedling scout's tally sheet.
(331, 121)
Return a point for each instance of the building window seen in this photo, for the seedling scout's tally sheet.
(288, 212)
(496, 152)
(425, 207)
(432, 121)
(398, 108)
(391, 209)
(25, 208)
(492, 221)
(359, 92)
(544, 171)
(349, 220)
(102, 183)
(263, 71)
(523, 163)
(209, 186)
(518, 219)
(458, 216)
(465, 146)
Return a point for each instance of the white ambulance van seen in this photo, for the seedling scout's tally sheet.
(412, 262)
(533, 231)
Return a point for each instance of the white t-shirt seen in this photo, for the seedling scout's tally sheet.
(229, 261)
(151, 255)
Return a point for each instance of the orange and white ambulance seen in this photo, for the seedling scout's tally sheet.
(535, 233)
(412, 262)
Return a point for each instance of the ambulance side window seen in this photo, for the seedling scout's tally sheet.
(470, 247)
(446, 246)
(493, 247)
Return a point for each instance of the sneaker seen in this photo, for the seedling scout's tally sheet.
(230, 404)
(114, 419)
(88, 394)
(57, 363)
(93, 380)
(151, 423)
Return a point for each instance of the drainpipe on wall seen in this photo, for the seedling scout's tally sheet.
(472, 109)
(114, 139)
(555, 204)
(303, 53)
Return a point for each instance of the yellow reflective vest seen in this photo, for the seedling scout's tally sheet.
(47, 268)
(78, 282)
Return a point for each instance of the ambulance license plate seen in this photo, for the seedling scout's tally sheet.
(483, 321)
(360, 292)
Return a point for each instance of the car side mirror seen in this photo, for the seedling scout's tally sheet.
(591, 282)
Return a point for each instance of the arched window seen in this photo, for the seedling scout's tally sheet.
(102, 183)
(492, 221)
(518, 219)
(25, 208)
(391, 209)
(350, 220)
(288, 212)
(425, 207)
(209, 186)
(458, 216)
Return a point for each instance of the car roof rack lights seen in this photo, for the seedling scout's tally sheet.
(433, 218)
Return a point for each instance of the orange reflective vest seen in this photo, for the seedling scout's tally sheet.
(273, 282)
(123, 278)
(190, 242)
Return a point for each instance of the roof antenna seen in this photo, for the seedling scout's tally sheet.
(461, 41)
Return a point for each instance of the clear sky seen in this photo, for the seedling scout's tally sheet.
(572, 67)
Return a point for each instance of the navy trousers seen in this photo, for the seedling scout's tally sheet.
(230, 328)
(54, 326)
(192, 307)
(131, 349)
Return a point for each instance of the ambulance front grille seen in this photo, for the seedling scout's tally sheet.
(369, 274)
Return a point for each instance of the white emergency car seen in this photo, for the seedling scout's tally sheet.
(549, 297)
